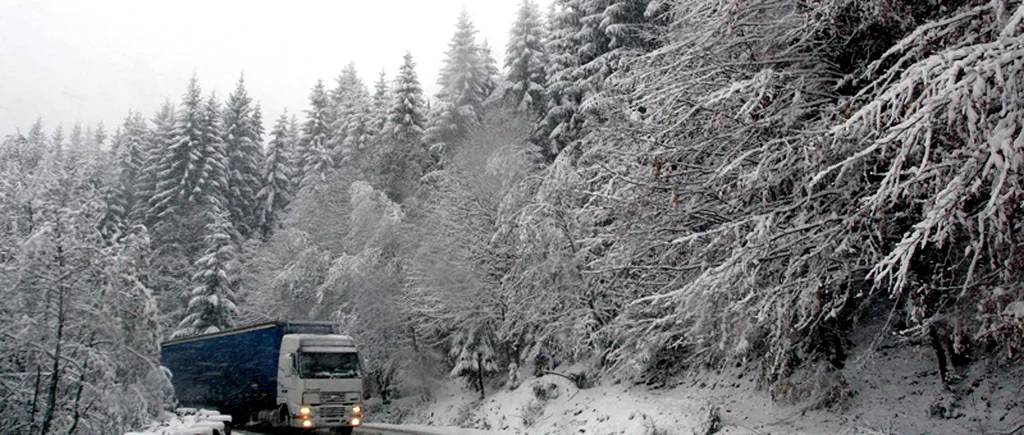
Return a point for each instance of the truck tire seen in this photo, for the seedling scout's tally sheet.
(347, 430)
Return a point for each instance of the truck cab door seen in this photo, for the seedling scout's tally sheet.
(287, 377)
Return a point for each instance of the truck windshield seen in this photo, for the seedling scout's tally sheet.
(323, 365)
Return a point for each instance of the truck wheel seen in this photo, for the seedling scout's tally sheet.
(347, 430)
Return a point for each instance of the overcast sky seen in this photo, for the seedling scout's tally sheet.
(93, 60)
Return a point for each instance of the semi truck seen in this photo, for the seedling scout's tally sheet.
(294, 376)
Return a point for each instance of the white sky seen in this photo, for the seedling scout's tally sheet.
(93, 60)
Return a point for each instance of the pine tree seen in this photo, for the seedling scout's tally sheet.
(191, 171)
(402, 158)
(128, 149)
(474, 358)
(492, 74)
(211, 305)
(76, 145)
(36, 144)
(380, 102)
(406, 115)
(563, 97)
(57, 142)
(132, 155)
(158, 142)
(350, 101)
(295, 145)
(244, 150)
(314, 148)
(464, 82)
(277, 176)
(525, 60)
(99, 138)
(591, 42)
(213, 181)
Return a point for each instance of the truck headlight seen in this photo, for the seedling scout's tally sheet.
(357, 409)
(305, 410)
(355, 421)
(307, 423)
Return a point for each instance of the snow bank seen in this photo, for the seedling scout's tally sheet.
(896, 390)
(188, 421)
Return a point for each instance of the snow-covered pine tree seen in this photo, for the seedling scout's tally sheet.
(406, 117)
(492, 74)
(76, 143)
(473, 356)
(402, 159)
(464, 85)
(525, 60)
(213, 182)
(562, 97)
(277, 176)
(127, 148)
(178, 171)
(295, 141)
(99, 137)
(380, 102)
(244, 150)
(158, 143)
(314, 146)
(57, 144)
(132, 158)
(36, 144)
(591, 43)
(211, 304)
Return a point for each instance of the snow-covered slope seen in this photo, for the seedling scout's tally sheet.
(896, 391)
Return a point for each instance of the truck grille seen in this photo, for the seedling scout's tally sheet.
(341, 398)
(332, 412)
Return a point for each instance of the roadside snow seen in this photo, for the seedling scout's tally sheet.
(895, 391)
(188, 421)
(418, 429)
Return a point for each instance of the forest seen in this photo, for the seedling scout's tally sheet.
(645, 187)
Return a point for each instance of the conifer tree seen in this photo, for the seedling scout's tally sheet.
(464, 83)
(492, 74)
(350, 101)
(380, 102)
(275, 194)
(159, 142)
(178, 171)
(76, 145)
(213, 182)
(36, 144)
(211, 305)
(525, 60)
(558, 127)
(190, 174)
(127, 148)
(99, 137)
(402, 156)
(57, 142)
(244, 150)
(314, 148)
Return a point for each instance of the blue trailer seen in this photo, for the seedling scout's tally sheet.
(283, 374)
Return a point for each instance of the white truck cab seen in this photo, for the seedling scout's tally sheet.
(320, 382)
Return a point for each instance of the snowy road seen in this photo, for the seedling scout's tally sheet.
(394, 429)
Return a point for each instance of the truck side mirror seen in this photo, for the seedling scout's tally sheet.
(293, 365)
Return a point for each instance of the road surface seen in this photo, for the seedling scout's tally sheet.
(394, 429)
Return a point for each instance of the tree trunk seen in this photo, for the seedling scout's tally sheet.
(78, 396)
(480, 373)
(940, 354)
(51, 399)
(35, 400)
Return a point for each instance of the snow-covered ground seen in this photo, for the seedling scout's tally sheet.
(188, 421)
(895, 392)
